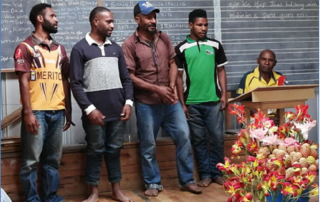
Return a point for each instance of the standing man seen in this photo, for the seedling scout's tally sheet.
(102, 87)
(203, 59)
(150, 59)
(42, 66)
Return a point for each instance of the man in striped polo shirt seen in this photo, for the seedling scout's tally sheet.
(102, 87)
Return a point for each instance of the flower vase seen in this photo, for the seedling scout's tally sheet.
(279, 199)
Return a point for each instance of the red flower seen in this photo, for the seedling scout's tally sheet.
(251, 159)
(281, 80)
(252, 146)
(249, 196)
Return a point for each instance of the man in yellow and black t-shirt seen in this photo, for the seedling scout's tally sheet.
(43, 67)
(262, 76)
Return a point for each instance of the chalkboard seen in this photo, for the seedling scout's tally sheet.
(289, 28)
(172, 19)
(15, 27)
(73, 16)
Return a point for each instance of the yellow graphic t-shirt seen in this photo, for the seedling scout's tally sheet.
(47, 65)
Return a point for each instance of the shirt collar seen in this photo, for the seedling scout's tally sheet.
(37, 41)
(138, 38)
(257, 74)
(189, 40)
(91, 41)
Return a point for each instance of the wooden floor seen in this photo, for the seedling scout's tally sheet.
(213, 193)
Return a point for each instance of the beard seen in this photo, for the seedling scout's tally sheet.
(105, 32)
(151, 31)
(48, 27)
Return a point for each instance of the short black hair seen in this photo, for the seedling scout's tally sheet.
(37, 10)
(95, 11)
(268, 50)
(197, 13)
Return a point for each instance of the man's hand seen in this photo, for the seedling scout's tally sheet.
(186, 111)
(223, 101)
(175, 92)
(167, 94)
(96, 117)
(126, 112)
(31, 123)
(69, 120)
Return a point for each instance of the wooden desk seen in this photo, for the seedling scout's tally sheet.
(264, 106)
(275, 97)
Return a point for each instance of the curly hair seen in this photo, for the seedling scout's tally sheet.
(197, 13)
(36, 10)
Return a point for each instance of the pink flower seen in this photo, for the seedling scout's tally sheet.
(258, 134)
(267, 123)
(305, 128)
(290, 142)
(271, 140)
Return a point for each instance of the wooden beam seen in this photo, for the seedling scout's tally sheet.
(7, 70)
(11, 118)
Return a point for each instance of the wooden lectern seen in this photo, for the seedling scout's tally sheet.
(275, 97)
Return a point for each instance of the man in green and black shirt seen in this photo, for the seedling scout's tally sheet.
(203, 95)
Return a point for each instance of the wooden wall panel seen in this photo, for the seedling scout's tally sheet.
(73, 164)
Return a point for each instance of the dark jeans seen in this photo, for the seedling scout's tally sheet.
(172, 119)
(107, 141)
(46, 147)
(207, 119)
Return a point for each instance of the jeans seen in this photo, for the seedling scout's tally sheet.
(207, 119)
(46, 147)
(172, 119)
(107, 141)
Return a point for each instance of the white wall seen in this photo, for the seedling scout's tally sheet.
(10, 101)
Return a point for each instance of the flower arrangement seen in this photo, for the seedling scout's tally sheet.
(281, 160)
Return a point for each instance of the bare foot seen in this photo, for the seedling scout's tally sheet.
(205, 182)
(151, 192)
(118, 195)
(94, 197)
(219, 180)
(193, 188)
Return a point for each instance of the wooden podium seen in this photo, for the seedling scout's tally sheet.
(276, 97)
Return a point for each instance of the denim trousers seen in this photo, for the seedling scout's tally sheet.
(103, 141)
(206, 124)
(172, 119)
(44, 147)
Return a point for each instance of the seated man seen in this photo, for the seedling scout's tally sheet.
(262, 76)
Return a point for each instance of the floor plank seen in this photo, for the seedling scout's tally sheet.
(213, 193)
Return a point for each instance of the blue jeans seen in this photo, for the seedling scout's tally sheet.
(46, 147)
(207, 118)
(107, 141)
(172, 119)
